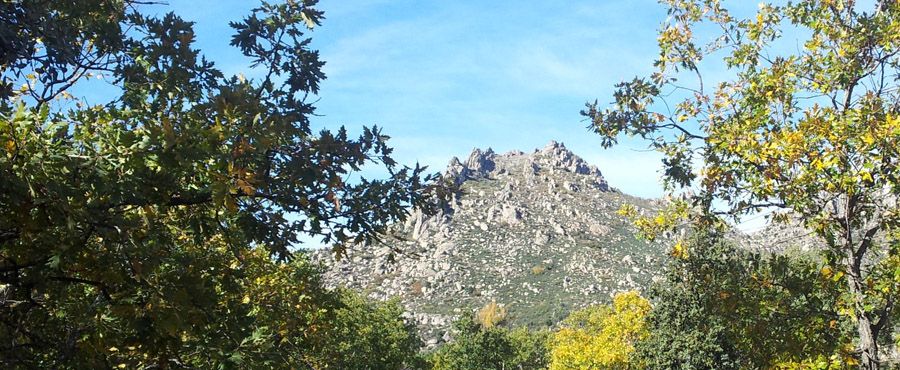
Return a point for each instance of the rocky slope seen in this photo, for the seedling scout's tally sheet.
(536, 232)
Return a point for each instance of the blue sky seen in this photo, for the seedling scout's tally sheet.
(444, 77)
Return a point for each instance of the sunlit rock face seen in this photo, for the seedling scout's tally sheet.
(537, 232)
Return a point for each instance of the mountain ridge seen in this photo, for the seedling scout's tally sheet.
(536, 232)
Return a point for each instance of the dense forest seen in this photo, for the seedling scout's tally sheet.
(160, 228)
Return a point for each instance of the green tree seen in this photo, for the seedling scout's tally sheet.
(721, 307)
(370, 336)
(809, 130)
(531, 348)
(477, 347)
(156, 230)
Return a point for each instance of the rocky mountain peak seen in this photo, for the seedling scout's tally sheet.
(553, 145)
(553, 157)
(536, 231)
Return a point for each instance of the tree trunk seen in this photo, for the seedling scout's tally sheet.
(867, 345)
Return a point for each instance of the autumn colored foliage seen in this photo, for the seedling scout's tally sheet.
(601, 337)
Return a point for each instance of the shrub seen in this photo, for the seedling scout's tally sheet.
(491, 314)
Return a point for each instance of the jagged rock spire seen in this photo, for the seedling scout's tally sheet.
(480, 163)
(554, 156)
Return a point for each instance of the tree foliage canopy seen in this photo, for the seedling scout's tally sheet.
(725, 308)
(490, 347)
(806, 122)
(157, 229)
(601, 336)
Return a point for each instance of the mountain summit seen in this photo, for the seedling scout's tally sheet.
(537, 233)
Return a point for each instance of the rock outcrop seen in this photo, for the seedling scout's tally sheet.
(536, 232)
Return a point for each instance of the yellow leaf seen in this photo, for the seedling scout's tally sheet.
(892, 120)
(679, 250)
(866, 176)
(868, 139)
(245, 187)
(838, 276)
